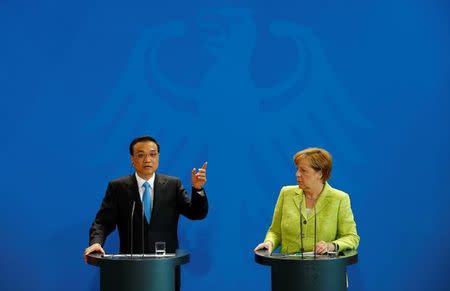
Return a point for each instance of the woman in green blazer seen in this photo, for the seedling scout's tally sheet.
(312, 206)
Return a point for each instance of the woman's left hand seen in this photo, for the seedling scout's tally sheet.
(324, 247)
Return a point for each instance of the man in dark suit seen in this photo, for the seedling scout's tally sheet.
(163, 198)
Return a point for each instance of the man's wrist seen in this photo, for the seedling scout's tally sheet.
(200, 191)
(95, 242)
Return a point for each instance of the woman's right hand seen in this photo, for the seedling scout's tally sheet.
(265, 245)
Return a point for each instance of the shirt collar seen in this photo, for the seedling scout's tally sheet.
(141, 181)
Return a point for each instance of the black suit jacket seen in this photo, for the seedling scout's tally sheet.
(170, 200)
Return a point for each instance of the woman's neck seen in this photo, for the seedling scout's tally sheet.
(313, 193)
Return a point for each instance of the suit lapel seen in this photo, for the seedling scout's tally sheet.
(298, 200)
(133, 191)
(323, 199)
(321, 203)
(159, 189)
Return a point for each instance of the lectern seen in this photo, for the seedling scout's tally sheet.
(149, 272)
(305, 273)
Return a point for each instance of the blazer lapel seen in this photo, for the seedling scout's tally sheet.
(133, 191)
(159, 190)
(300, 202)
(323, 199)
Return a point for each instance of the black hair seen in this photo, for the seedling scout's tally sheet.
(140, 139)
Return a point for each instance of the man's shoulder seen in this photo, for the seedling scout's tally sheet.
(166, 178)
(131, 179)
(123, 180)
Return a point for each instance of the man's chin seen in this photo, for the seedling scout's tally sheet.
(146, 173)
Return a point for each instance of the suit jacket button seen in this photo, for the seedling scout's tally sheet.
(304, 221)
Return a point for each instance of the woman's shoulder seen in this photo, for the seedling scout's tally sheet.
(336, 192)
(289, 189)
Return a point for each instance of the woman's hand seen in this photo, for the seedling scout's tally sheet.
(265, 245)
(324, 247)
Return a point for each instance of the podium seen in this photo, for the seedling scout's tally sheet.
(293, 272)
(123, 272)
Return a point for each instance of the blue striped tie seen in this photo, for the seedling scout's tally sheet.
(147, 202)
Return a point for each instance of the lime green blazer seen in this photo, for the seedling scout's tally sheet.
(335, 222)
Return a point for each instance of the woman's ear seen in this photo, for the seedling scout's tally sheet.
(320, 175)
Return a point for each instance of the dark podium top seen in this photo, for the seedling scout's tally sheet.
(294, 272)
(120, 272)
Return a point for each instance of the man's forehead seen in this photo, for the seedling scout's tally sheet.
(145, 146)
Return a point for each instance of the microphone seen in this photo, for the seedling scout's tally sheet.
(142, 225)
(315, 230)
(301, 228)
(131, 227)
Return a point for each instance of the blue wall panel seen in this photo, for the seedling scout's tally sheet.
(243, 85)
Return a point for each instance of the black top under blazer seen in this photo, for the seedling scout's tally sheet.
(169, 201)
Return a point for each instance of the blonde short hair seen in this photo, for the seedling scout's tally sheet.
(319, 159)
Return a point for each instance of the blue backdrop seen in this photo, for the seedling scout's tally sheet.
(243, 85)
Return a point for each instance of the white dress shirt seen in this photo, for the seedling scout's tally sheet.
(141, 188)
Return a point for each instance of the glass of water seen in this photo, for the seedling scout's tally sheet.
(160, 248)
